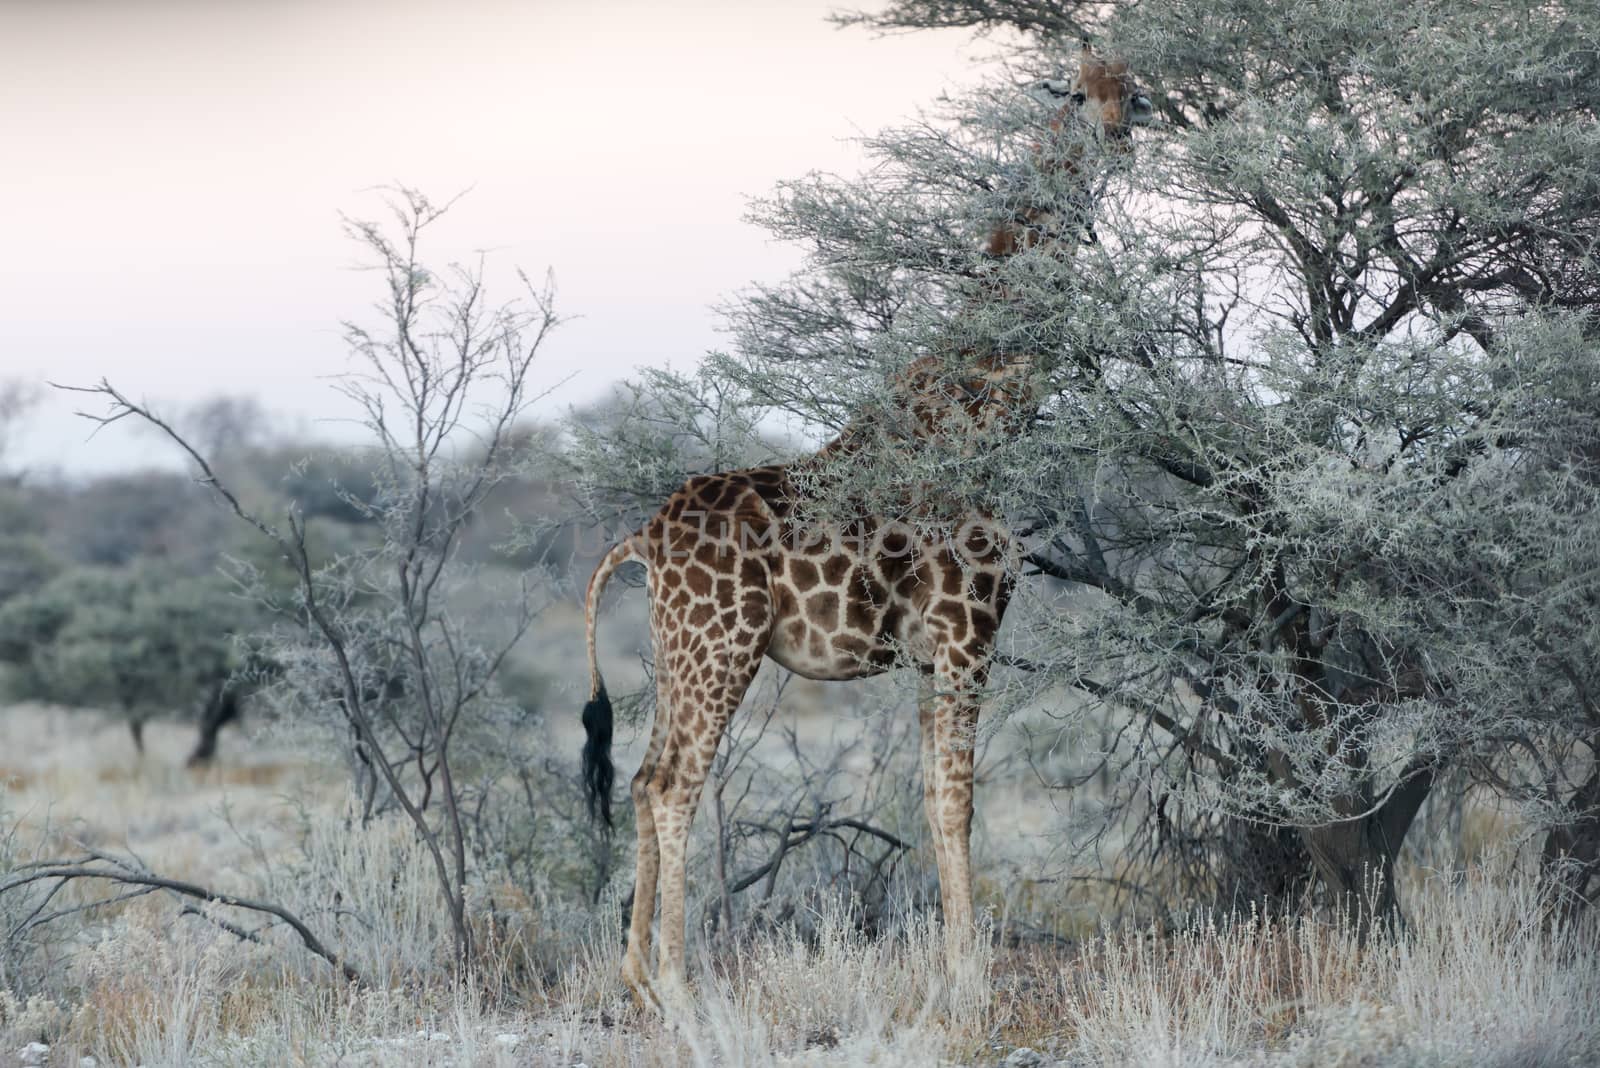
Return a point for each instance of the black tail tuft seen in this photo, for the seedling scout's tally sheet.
(598, 774)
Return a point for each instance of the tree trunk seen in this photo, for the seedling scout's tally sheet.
(136, 728)
(1570, 863)
(221, 709)
(1355, 858)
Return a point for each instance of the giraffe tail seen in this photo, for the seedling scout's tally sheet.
(598, 773)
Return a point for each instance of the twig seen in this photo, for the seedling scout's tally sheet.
(232, 928)
(65, 870)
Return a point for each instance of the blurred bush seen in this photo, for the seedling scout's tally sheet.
(140, 640)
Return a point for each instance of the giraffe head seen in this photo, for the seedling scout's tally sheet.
(1104, 97)
(1092, 117)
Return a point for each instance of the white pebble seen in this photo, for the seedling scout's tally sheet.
(1023, 1057)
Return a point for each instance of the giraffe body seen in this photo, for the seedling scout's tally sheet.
(734, 575)
(828, 601)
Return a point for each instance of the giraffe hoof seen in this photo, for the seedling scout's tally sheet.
(645, 998)
(637, 979)
(673, 996)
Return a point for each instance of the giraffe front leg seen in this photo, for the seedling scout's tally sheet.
(927, 710)
(955, 723)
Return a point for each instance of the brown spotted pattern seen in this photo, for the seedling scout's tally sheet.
(732, 578)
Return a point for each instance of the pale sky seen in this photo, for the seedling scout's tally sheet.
(173, 172)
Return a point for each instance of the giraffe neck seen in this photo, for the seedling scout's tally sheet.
(995, 390)
(932, 401)
(1069, 219)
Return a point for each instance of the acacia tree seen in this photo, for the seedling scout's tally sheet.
(1319, 434)
(142, 641)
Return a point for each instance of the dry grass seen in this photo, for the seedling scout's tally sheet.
(1481, 976)
(78, 772)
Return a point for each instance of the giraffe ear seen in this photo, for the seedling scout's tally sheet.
(1088, 62)
(1056, 92)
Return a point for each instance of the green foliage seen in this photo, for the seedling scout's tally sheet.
(1318, 439)
(26, 563)
(651, 435)
(139, 640)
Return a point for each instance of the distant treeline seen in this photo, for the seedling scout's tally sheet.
(125, 591)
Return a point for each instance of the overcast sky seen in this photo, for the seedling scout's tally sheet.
(174, 170)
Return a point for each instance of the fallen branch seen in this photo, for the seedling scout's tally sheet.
(125, 875)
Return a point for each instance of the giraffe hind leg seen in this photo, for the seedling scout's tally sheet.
(636, 958)
(705, 696)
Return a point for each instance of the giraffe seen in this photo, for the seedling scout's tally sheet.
(1104, 103)
(735, 573)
